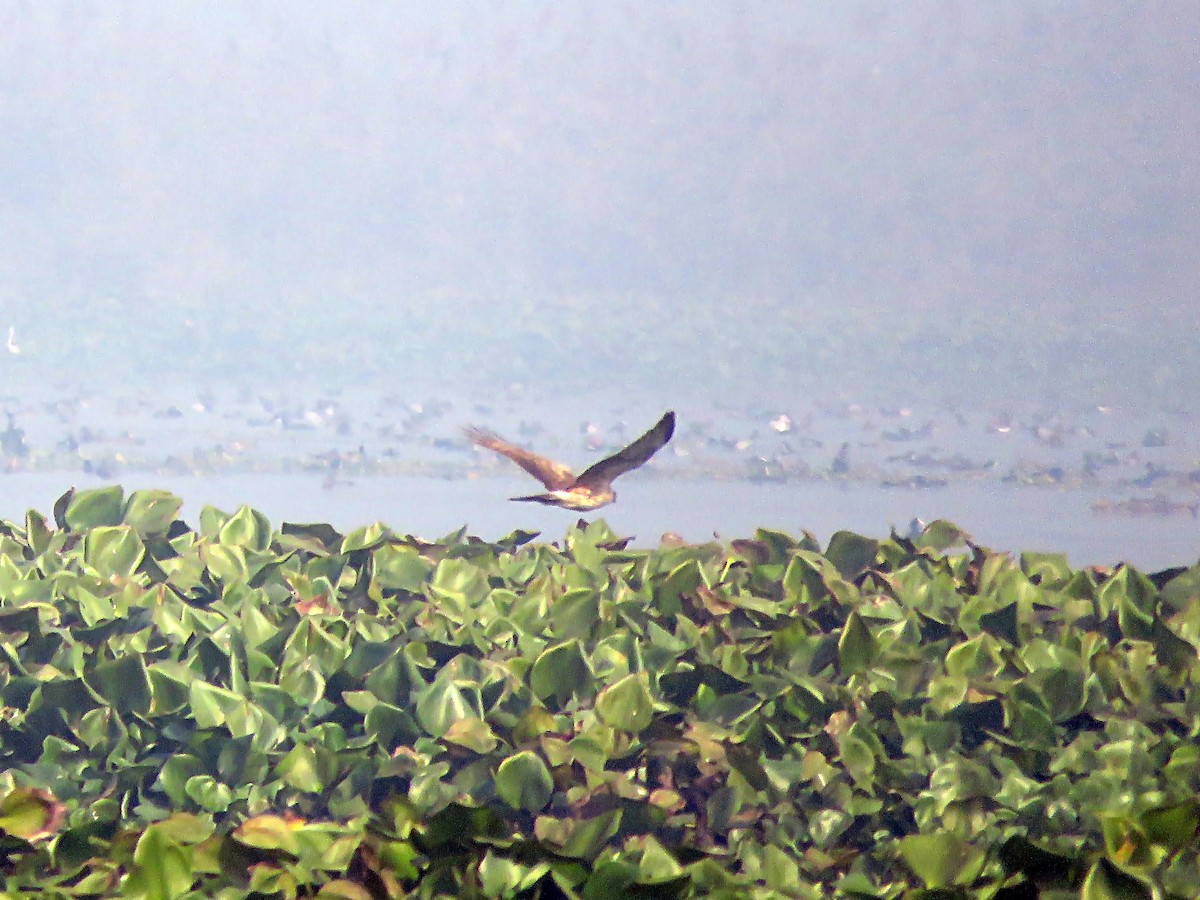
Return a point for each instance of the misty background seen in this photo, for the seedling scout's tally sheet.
(368, 224)
(864, 196)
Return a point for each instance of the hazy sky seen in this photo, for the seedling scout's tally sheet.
(168, 163)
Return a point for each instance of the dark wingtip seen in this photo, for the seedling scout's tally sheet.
(477, 435)
(669, 419)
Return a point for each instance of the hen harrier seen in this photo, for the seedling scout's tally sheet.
(593, 488)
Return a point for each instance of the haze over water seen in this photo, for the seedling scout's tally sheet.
(577, 214)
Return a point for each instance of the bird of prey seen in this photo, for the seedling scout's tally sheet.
(593, 488)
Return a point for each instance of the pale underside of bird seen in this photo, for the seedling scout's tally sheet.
(593, 487)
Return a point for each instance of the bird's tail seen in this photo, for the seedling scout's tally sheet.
(535, 498)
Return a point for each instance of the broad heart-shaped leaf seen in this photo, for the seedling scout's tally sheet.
(213, 706)
(575, 613)
(162, 869)
(1049, 570)
(98, 506)
(300, 769)
(440, 705)
(123, 683)
(208, 793)
(500, 877)
(472, 732)
(460, 580)
(113, 550)
(365, 538)
(151, 512)
(269, 832)
(246, 528)
(1002, 623)
(1105, 881)
(1170, 649)
(174, 775)
(941, 535)
(31, 814)
(562, 671)
(781, 870)
(627, 704)
(401, 568)
(524, 782)
(581, 839)
(851, 553)
(38, 532)
(611, 878)
(1174, 826)
(344, 889)
(680, 581)
(856, 646)
(211, 520)
(941, 860)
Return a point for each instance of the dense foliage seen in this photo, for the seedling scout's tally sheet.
(246, 712)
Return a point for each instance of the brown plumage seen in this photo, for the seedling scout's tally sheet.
(593, 488)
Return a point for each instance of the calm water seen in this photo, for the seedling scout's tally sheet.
(1021, 477)
(1003, 517)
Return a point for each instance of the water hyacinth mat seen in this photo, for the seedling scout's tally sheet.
(240, 711)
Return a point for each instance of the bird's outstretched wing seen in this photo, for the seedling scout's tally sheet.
(602, 473)
(554, 476)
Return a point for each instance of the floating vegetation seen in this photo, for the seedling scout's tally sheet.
(1145, 506)
(1099, 452)
(238, 710)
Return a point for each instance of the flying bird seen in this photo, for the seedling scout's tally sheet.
(593, 488)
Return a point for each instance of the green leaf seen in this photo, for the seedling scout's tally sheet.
(627, 704)
(401, 568)
(657, 865)
(1002, 623)
(95, 507)
(1171, 650)
(460, 580)
(246, 528)
(208, 793)
(781, 870)
(851, 553)
(211, 520)
(856, 646)
(38, 532)
(343, 889)
(681, 581)
(941, 536)
(524, 782)
(472, 732)
(113, 550)
(610, 879)
(441, 705)
(1176, 826)
(300, 769)
(1105, 881)
(174, 776)
(31, 814)
(562, 671)
(1046, 569)
(123, 683)
(941, 860)
(151, 512)
(580, 839)
(575, 613)
(162, 869)
(366, 538)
